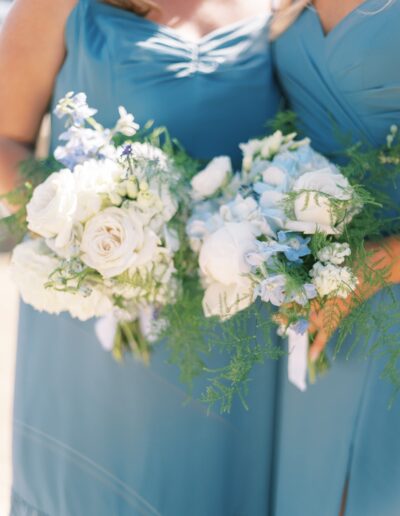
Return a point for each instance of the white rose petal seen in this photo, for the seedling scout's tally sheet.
(31, 265)
(224, 301)
(51, 211)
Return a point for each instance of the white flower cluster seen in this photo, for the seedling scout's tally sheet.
(104, 240)
(250, 228)
(329, 276)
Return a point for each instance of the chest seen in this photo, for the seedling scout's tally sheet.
(194, 20)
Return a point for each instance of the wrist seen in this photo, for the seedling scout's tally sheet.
(385, 256)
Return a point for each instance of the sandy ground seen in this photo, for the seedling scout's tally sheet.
(8, 322)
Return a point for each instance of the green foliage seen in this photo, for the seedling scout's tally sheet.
(32, 172)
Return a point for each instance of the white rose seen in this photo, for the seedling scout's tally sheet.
(94, 178)
(31, 265)
(222, 256)
(111, 241)
(224, 301)
(313, 205)
(51, 211)
(331, 280)
(207, 182)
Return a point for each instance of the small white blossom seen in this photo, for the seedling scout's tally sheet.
(333, 281)
(334, 253)
(126, 124)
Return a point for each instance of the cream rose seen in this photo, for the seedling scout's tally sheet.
(112, 240)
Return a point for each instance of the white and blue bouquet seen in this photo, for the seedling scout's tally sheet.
(103, 230)
(277, 231)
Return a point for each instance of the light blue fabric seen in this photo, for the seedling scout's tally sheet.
(95, 438)
(347, 82)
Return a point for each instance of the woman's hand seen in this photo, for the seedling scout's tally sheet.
(384, 256)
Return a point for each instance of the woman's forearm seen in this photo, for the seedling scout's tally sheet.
(386, 255)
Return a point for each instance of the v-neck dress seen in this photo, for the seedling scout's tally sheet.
(345, 83)
(97, 438)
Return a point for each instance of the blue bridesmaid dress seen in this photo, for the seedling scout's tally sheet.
(96, 438)
(345, 82)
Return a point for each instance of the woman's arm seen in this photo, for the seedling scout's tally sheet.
(385, 255)
(32, 51)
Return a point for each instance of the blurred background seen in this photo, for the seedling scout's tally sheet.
(8, 322)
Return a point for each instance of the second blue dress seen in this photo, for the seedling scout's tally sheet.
(343, 83)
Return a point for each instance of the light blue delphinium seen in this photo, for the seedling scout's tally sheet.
(272, 289)
(297, 246)
(264, 252)
(303, 295)
(75, 106)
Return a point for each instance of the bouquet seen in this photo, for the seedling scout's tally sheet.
(287, 230)
(104, 230)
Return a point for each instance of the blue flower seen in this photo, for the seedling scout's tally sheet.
(265, 251)
(296, 246)
(303, 295)
(301, 326)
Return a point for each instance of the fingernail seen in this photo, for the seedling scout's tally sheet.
(314, 354)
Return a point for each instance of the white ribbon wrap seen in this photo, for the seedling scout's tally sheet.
(297, 362)
(105, 328)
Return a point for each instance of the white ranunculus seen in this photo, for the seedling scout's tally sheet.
(51, 211)
(31, 265)
(332, 280)
(207, 182)
(94, 178)
(314, 202)
(112, 240)
(222, 256)
(224, 301)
